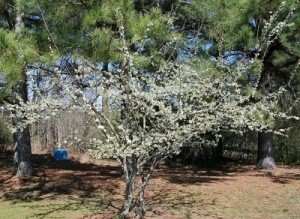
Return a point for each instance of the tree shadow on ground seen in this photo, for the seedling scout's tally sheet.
(279, 176)
(195, 175)
(213, 173)
(95, 206)
(98, 187)
(80, 183)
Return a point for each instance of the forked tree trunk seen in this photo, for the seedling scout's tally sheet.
(131, 171)
(132, 202)
(139, 205)
(140, 209)
(265, 157)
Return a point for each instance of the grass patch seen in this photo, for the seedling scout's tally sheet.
(63, 207)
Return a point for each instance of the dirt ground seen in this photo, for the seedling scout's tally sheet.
(84, 188)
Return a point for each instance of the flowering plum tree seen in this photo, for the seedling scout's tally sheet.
(157, 112)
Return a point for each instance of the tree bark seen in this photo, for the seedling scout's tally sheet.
(131, 172)
(139, 205)
(265, 159)
(105, 82)
(140, 209)
(22, 156)
(22, 146)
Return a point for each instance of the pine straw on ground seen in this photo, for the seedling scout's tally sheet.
(84, 188)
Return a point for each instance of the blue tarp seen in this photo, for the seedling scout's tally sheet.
(60, 154)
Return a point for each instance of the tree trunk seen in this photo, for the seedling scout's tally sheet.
(131, 172)
(105, 81)
(22, 146)
(140, 202)
(218, 153)
(22, 156)
(265, 159)
(140, 209)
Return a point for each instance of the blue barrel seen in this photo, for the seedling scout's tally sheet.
(60, 154)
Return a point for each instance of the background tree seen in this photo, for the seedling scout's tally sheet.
(17, 49)
(248, 29)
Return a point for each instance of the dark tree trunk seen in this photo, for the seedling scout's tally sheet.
(22, 146)
(218, 153)
(105, 82)
(22, 153)
(265, 159)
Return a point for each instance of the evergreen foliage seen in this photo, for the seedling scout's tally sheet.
(17, 49)
(90, 28)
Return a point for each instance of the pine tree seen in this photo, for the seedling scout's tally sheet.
(89, 30)
(17, 49)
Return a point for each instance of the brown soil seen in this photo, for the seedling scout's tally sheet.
(230, 191)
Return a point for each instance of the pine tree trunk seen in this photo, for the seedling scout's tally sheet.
(22, 156)
(105, 87)
(22, 146)
(218, 153)
(265, 159)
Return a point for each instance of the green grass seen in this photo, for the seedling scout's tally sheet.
(65, 207)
